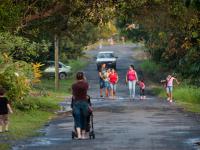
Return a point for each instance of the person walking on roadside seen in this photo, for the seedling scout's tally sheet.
(113, 79)
(107, 83)
(5, 108)
(142, 87)
(169, 87)
(102, 78)
(131, 79)
(80, 104)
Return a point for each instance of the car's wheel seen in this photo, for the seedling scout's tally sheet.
(62, 75)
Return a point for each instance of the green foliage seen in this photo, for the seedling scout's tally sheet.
(191, 94)
(10, 14)
(151, 68)
(36, 103)
(170, 30)
(21, 48)
(15, 77)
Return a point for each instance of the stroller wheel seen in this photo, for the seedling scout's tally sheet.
(73, 134)
(93, 136)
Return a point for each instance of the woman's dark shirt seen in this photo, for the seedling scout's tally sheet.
(3, 106)
(79, 90)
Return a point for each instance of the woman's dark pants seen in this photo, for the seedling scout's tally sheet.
(80, 111)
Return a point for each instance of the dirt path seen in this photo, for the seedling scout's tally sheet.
(121, 124)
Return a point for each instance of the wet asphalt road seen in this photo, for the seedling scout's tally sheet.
(120, 124)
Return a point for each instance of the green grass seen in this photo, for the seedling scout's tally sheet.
(150, 67)
(185, 95)
(25, 124)
(4, 146)
(188, 94)
(77, 65)
(30, 115)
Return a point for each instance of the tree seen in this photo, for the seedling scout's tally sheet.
(171, 31)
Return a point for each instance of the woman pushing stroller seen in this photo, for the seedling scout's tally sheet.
(80, 105)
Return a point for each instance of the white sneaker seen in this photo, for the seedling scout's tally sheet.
(168, 99)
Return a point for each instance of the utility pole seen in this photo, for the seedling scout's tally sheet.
(56, 51)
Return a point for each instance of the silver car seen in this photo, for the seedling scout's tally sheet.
(106, 57)
(49, 70)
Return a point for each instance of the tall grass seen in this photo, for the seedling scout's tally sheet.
(187, 94)
(150, 67)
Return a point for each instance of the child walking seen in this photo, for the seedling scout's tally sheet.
(4, 110)
(142, 87)
(169, 87)
(113, 78)
(106, 81)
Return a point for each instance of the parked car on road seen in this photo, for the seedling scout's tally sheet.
(107, 57)
(49, 70)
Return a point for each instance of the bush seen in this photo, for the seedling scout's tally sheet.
(15, 77)
(36, 103)
(153, 70)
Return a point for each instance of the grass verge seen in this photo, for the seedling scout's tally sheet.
(185, 95)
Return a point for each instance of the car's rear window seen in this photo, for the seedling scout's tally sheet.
(105, 55)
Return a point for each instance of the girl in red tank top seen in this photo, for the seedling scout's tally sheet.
(113, 79)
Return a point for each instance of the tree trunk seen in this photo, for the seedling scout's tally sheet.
(56, 62)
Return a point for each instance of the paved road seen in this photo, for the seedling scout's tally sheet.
(120, 124)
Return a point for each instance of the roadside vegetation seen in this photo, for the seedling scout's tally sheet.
(39, 106)
(185, 94)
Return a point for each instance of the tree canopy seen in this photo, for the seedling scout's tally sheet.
(171, 30)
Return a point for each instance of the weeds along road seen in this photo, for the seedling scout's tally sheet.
(121, 124)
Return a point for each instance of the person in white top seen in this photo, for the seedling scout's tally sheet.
(169, 86)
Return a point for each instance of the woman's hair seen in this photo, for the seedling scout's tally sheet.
(132, 67)
(80, 76)
(2, 91)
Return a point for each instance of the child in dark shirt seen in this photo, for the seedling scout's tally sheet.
(4, 110)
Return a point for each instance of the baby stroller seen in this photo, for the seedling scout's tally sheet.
(90, 127)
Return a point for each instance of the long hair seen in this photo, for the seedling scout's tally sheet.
(132, 67)
(79, 75)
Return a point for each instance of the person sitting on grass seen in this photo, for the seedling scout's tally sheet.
(4, 110)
